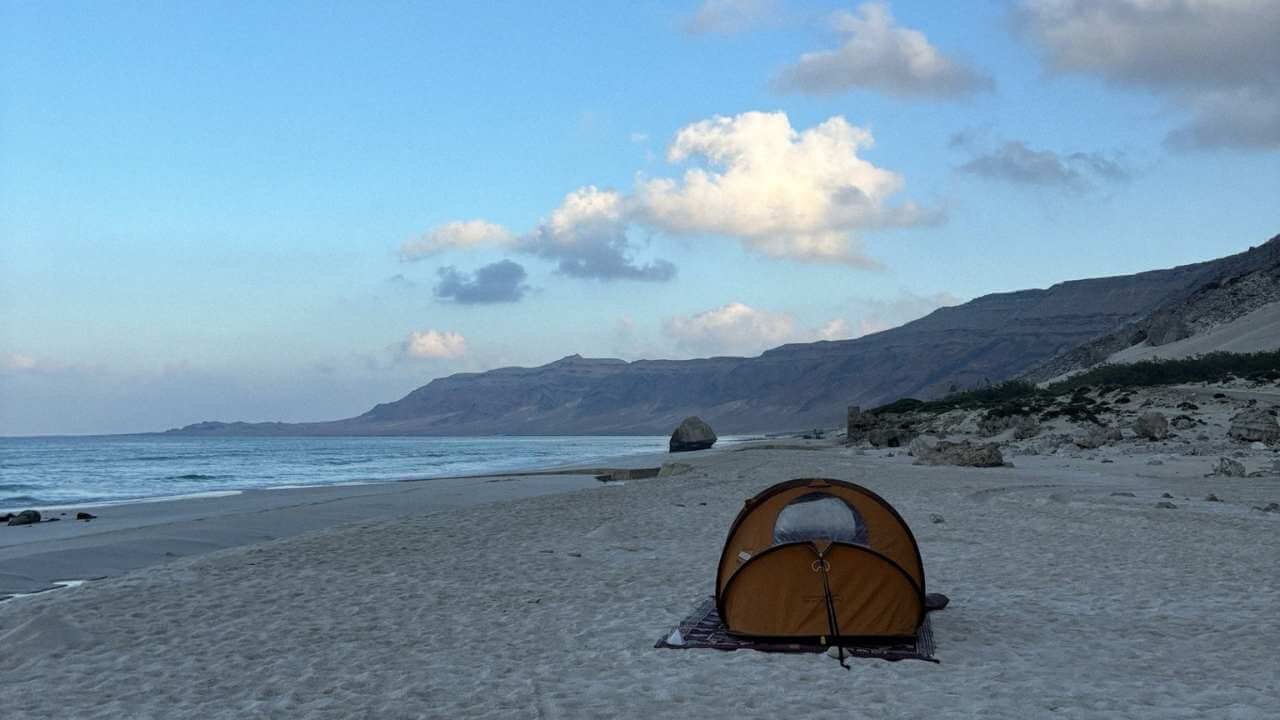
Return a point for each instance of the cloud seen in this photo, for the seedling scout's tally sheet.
(1215, 59)
(728, 17)
(587, 237)
(435, 344)
(400, 282)
(18, 363)
(837, 329)
(456, 235)
(498, 282)
(798, 195)
(801, 195)
(878, 54)
(1016, 163)
(731, 329)
(875, 315)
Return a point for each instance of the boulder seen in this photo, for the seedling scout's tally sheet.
(1183, 422)
(1097, 436)
(1152, 425)
(963, 454)
(1255, 425)
(26, 517)
(1229, 468)
(693, 434)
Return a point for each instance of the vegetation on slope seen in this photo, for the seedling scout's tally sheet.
(1070, 397)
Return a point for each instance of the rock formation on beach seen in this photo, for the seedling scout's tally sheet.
(692, 434)
(805, 385)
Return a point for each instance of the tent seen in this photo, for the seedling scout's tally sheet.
(820, 560)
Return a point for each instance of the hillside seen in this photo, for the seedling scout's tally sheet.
(988, 339)
(1236, 309)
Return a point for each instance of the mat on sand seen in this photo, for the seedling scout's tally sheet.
(703, 629)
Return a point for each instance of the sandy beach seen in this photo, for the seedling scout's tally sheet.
(1067, 601)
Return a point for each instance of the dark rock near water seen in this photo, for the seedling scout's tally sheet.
(85, 516)
(26, 517)
(693, 434)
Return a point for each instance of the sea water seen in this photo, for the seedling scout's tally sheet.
(55, 471)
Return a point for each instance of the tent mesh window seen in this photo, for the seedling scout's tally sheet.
(819, 516)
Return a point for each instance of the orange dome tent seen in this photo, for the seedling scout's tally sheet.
(820, 560)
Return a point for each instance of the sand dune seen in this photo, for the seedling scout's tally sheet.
(1066, 602)
(1255, 332)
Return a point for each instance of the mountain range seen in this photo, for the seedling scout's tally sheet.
(1033, 333)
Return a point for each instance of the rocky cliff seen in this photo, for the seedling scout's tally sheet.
(989, 339)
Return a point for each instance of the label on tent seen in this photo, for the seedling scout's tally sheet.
(744, 556)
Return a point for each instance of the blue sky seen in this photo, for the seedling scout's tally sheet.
(292, 211)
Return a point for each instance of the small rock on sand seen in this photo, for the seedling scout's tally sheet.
(1229, 468)
(1212, 498)
(1166, 505)
(1123, 494)
(936, 519)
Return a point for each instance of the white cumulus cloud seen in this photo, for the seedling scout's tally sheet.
(456, 235)
(785, 193)
(736, 328)
(878, 54)
(435, 344)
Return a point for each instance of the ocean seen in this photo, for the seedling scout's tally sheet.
(45, 472)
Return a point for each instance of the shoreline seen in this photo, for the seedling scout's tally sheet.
(133, 534)
(583, 463)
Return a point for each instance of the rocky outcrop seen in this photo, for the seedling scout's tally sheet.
(1151, 426)
(858, 425)
(692, 434)
(963, 454)
(1256, 425)
(1024, 427)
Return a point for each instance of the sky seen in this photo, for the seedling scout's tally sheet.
(293, 211)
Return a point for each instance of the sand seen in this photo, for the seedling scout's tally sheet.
(1067, 602)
